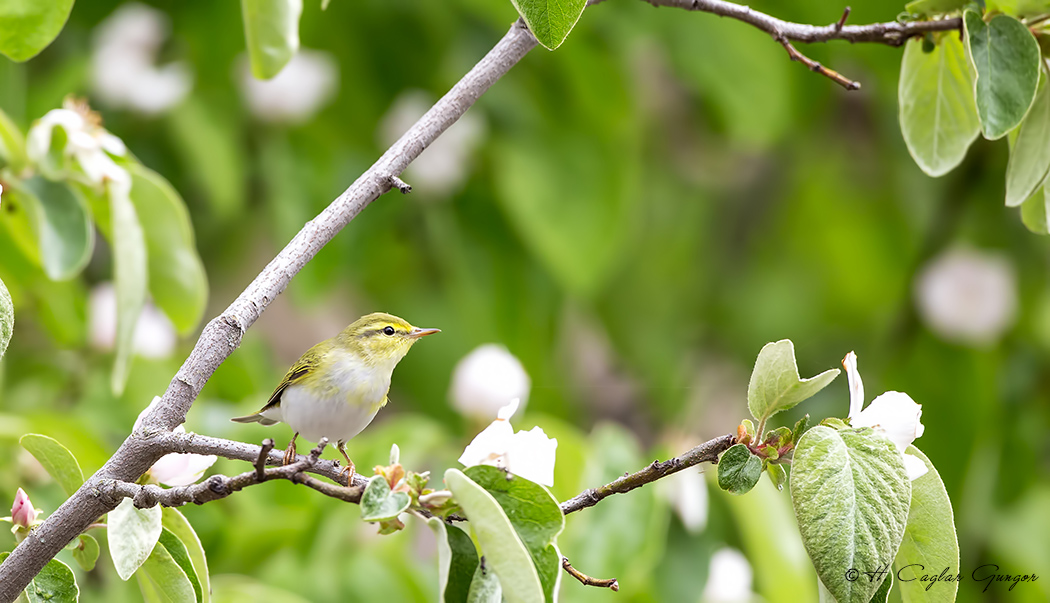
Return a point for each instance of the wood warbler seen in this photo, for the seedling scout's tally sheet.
(336, 388)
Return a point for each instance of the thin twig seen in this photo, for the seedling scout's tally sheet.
(260, 462)
(704, 453)
(842, 19)
(400, 185)
(816, 67)
(586, 580)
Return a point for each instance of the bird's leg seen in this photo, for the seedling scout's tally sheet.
(349, 469)
(290, 453)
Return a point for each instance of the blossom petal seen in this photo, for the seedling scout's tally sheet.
(488, 445)
(531, 454)
(914, 466)
(856, 386)
(181, 469)
(896, 414)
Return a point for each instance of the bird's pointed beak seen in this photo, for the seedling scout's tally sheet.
(416, 333)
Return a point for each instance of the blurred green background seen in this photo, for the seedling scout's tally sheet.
(634, 216)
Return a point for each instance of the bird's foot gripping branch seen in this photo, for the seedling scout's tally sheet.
(864, 498)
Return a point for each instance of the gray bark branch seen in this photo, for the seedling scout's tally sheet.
(223, 334)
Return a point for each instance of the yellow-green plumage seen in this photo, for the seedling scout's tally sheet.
(336, 388)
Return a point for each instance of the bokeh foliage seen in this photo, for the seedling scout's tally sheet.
(666, 188)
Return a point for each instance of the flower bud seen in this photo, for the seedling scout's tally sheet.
(22, 512)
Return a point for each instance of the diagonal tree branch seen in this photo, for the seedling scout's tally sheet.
(223, 334)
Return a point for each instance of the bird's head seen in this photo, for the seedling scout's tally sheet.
(381, 338)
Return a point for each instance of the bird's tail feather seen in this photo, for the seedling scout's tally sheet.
(254, 418)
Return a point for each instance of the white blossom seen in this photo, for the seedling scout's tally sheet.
(154, 337)
(307, 83)
(729, 578)
(486, 380)
(87, 143)
(443, 166)
(528, 454)
(968, 296)
(894, 414)
(176, 469)
(123, 69)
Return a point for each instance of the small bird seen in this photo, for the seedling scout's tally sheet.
(336, 388)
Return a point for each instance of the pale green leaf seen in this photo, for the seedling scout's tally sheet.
(56, 459)
(177, 281)
(444, 554)
(271, 28)
(131, 279)
(378, 503)
(938, 117)
(1006, 57)
(1035, 212)
(485, 587)
(535, 515)
(173, 520)
(851, 495)
(181, 557)
(504, 553)
(86, 552)
(1030, 154)
(133, 534)
(12, 144)
(54, 584)
(7, 318)
(550, 20)
(163, 580)
(28, 26)
(775, 384)
(208, 144)
(883, 594)
(934, 7)
(236, 588)
(63, 228)
(738, 470)
(777, 475)
(929, 540)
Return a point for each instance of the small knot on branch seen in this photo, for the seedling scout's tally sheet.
(400, 185)
(217, 484)
(316, 452)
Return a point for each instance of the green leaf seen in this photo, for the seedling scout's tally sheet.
(133, 534)
(180, 555)
(883, 594)
(378, 503)
(457, 561)
(485, 587)
(851, 496)
(12, 144)
(63, 228)
(929, 540)
(86, 552)
(738, 470)
(174, 521)
(938, 117)
(177, 281)
(163, 579)
(505, 554)
(1035, 212)
(550, 20)
(775, 384)
(54, 584)
(7, 318)
(28, 26)
(535, 515)
(56, 459)
(777, 475)
(1006, 57)
(207, 142)
(131, 279)
(800, 428)
(934, 7)
(271, 28)
(1030, 153)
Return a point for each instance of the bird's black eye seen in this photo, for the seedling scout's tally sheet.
(388, 330)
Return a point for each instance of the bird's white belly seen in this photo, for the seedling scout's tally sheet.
(331, 414)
